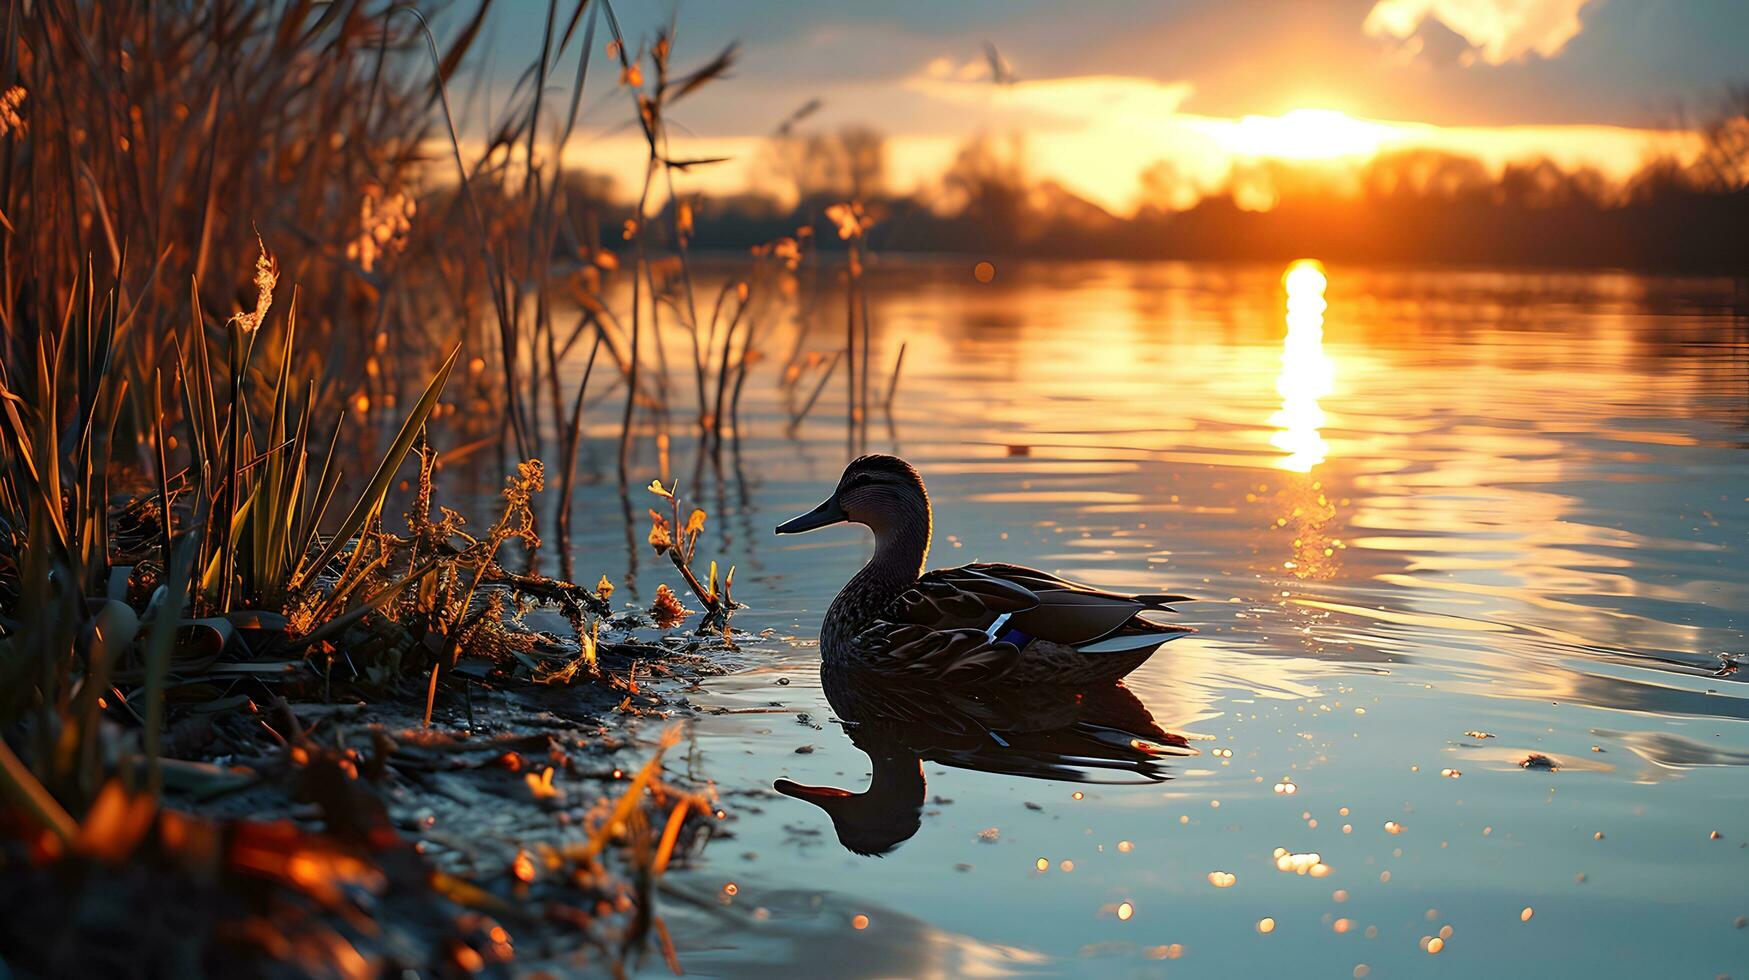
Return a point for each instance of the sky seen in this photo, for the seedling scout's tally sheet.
(1102, 89)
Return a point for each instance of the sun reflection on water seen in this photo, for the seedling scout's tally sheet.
(1307, 373)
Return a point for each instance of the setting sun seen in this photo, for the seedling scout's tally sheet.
(1306, 134)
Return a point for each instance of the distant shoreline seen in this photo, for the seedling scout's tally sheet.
(711, 256)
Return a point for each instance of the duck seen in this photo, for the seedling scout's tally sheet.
(983, 623)
(1099, 735)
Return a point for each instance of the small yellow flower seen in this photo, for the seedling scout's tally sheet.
(542, 785)
(661, 535)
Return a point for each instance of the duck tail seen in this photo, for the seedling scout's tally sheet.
(1137, 634)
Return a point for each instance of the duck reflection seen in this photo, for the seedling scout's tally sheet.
(1100, 735)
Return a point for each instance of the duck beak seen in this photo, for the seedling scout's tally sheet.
(825, 515)
(821, 796)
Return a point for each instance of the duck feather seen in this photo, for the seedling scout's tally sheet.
(970, 624)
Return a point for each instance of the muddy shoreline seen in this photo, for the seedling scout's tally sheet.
(527, 824)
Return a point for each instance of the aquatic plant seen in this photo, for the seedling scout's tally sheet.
(668, 536)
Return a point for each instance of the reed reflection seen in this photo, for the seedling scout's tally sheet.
(1307, 373)
(1102, 735)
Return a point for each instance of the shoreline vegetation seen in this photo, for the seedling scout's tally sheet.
(267, 703)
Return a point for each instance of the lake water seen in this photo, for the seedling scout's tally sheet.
(1416, 507)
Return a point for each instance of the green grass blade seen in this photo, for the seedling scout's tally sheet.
(210, 579)
(371, 501)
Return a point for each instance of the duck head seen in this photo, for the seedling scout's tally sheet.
(882, 493)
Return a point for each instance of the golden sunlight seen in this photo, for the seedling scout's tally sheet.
(1307, 373)
(1306, 134)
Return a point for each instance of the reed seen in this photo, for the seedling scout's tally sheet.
(108, 608)
(146, 124)
(668, 536)
(186, 496)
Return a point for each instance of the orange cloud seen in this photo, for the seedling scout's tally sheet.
(1094, 134)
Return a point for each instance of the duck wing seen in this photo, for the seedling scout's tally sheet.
(1040, 581)
(969, 624)
(961, 598)
(914, 652)
(1089, 619)
(941, 628)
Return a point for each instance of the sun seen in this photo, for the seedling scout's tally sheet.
(1306, 134)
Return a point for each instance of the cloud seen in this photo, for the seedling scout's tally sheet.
(1094, 134)
(1498, 30)
(1075, 101)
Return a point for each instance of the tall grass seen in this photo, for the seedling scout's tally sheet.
(153, 141)
(167, 135)
(156, 140)
(235, 529)
(147, 154)
(186, 485)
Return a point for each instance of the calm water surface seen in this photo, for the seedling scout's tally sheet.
(1415, 506)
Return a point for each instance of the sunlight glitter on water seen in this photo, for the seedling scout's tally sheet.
(1519, 532)
(1307, 373)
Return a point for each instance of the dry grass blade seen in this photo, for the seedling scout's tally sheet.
(669, 956)
(711, 71)
(26, 791)
(377, 600)
(893, 382)
(670, 834)
(165, 517)
(825, 376)
(630, 799)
